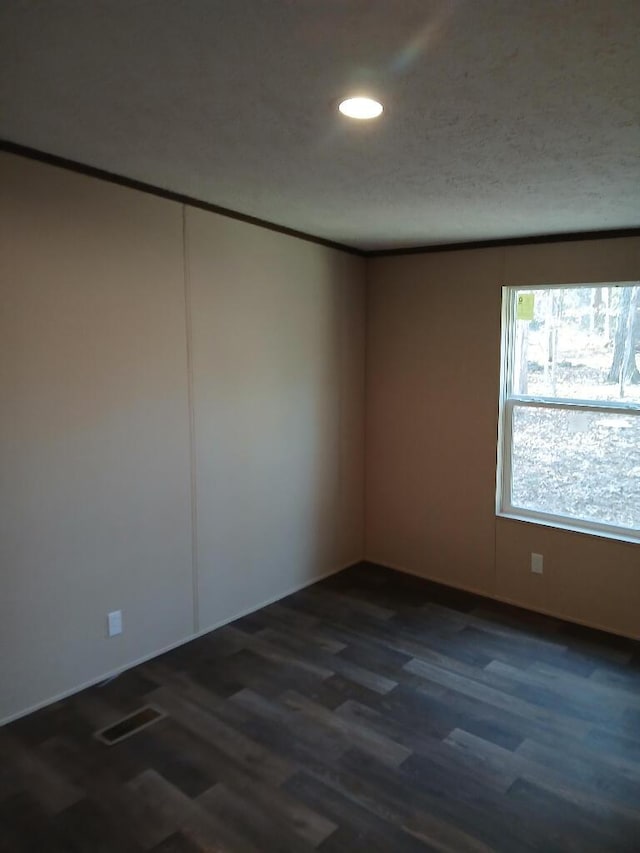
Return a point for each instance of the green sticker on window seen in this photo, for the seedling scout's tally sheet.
(524, 306)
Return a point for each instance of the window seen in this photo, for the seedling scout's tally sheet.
(569, 449)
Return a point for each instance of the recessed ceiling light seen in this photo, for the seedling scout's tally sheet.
(361, 108)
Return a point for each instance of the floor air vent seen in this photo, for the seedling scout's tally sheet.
(130, 725)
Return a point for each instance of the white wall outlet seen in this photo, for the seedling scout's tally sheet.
(536, 563)
(114, 623)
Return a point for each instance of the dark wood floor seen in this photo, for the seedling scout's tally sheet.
(372, 712)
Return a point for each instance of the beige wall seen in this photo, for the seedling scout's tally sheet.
(181, 426)
(95, 414)
(433, 359)
(94, 440)
(278, 388)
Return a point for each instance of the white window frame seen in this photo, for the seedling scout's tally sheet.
(508, 402)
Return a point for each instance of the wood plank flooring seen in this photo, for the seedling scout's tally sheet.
(373, 711)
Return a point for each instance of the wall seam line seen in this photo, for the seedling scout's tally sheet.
(365, 409)
(338, 525)
(192, 424)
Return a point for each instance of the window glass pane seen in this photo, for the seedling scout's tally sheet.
(585, 465)
(582, 343)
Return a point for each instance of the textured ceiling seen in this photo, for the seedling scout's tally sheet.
(504, 118)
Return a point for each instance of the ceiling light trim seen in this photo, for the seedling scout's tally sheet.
(361, 107)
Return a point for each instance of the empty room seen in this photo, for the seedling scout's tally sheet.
(319, 426)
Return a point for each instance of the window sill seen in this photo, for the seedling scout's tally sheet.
(630, 538)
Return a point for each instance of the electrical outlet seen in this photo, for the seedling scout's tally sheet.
(114, 623)
(536, 563)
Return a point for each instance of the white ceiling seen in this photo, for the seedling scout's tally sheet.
(504, 118)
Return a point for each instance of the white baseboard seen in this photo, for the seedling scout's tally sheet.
(113, 673)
